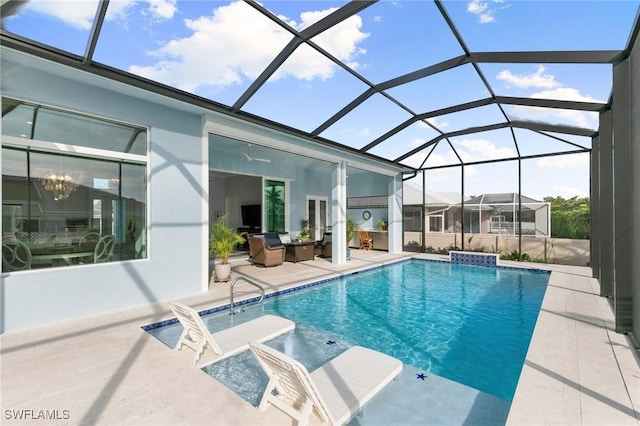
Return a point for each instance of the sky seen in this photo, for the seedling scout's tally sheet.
(216, 49)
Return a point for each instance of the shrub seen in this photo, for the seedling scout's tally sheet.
(515, 255)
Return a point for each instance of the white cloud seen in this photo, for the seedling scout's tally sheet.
(434, 122)
(537, 79)
(236, 42)
(565, 116)
(80, 14)
(481, 149)
(486, 10)
(564, 94)
(75, 14)
(341, 40)
(417, 142)
(162, 9)
(482, 10)
(580, 118)
(469, 150)
(553, 90)
(417, 159)
(435, 160)
(565, 162)
(569, 191)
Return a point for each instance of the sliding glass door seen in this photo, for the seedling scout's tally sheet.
(274, 205)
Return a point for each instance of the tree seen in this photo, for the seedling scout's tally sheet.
(570, 218)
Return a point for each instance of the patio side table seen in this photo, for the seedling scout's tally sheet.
(299, 251)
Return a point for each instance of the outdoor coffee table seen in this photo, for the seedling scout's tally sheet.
(299, 251)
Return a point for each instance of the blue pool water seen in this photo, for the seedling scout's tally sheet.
(465, 323)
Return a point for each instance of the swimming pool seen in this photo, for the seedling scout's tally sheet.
(468, 324)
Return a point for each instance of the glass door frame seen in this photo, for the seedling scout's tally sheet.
(317, 224)
(287, 204)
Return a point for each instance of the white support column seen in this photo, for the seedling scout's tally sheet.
(206, 199)
(339, 214)
(394, 226)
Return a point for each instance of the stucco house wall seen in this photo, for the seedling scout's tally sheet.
(176, 226)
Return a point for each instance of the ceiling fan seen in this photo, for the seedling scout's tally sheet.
(250, 158)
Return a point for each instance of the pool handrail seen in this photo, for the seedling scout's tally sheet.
(247, 280)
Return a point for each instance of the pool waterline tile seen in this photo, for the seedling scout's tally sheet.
(245, 302)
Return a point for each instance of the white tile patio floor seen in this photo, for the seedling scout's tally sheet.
(106, 370)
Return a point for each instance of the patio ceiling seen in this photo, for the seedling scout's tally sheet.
(390, 96)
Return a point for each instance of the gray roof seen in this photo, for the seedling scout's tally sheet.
(500, 198)
(412, 195)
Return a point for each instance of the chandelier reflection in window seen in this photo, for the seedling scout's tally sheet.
(61, 184)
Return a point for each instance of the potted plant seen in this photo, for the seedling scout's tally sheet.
(303, 236)
(382, 225)
(222, 241)
(352, 228)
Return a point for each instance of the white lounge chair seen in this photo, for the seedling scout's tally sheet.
(210, 348)
(334, 392)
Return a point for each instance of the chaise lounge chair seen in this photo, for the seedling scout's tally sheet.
(334, 392)
(210, 348)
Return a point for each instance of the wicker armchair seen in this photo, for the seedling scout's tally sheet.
(323, 248)
(266, 250)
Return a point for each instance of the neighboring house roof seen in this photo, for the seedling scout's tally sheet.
(412, 195)
(498, 202)
(500, 198)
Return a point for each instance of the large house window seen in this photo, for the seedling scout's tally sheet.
(70, 201)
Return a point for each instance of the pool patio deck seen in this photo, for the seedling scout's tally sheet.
(106, 370)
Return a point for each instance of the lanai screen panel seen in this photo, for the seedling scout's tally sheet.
(376, 61)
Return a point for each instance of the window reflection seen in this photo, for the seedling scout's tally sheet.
(62, 210)
(101, 218)
(46, 124)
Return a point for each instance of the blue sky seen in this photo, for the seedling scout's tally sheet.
(217, 48)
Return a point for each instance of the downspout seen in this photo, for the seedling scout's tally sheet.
(411, 176)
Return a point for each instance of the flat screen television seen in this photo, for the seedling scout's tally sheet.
(252, 215)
